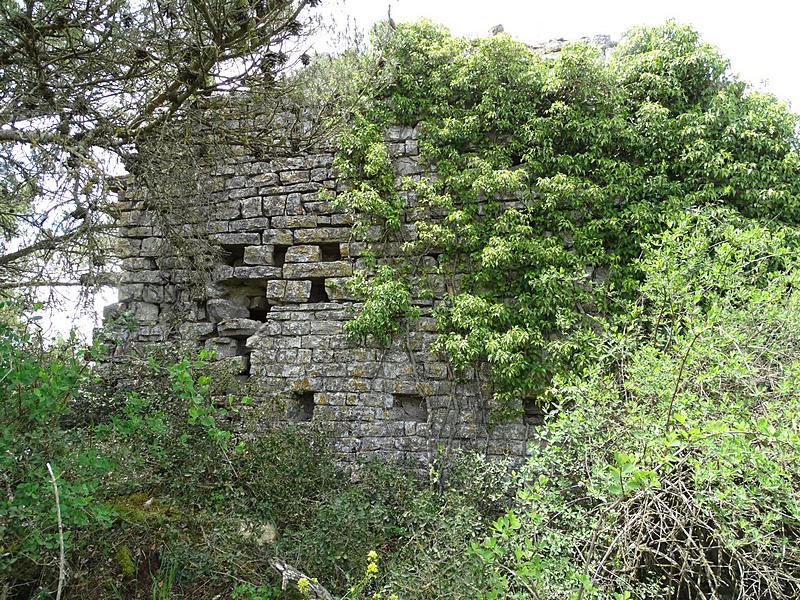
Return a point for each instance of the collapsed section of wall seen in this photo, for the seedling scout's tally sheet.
(275, 304)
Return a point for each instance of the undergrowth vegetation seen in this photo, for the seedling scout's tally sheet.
(620, 238)
(548, 177)
(168, 491)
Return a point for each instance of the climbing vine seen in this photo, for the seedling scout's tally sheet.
(548, 177)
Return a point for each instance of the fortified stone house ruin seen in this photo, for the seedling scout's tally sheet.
(276, 306)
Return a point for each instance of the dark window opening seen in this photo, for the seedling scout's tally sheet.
(258, 308)
(259, 314)
(303, 408)
(411, 407)
(318, 293)
(532, 412)
(245, 372)
(330, 252)
(234, 255)
(279, 255)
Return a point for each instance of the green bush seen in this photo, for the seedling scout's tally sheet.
(37, 386)
(672, 468)
(549, 176)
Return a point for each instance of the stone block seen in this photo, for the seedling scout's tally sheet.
(273, 205)
(303, 254)
(130, 291)
(341, 219)
(293, 221)
(303, 188)
(326, 328)
(267, 179)
(236, 239)
(278, 237)
(241, 193)
(321, 160)
(239, 181)
(317, 342)
(222, 346)
(191, 331)
(396, 148)
(336, 288)
(405, 166)
(139, 232)
(297, 291)
(217, 227)
(125, 248)
(294, 177)
(222, 273)
(153, 293)
(253, 224)
(151, 246)
(229, 209)
(259, 255)
(319, 208)
(220, 310)
(317, 270)
(238, 327)
(156, 277)
(292, 162)
(260, 272)
(155, 333)
(296, 328)
(138, 264)
(319, 174)
(145, 312)
(322, 234)
(294, 204)
(396, 133)
(276, 290)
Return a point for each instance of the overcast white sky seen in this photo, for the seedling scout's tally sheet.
(759, 38)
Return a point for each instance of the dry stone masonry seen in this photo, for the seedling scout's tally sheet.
(275, 305)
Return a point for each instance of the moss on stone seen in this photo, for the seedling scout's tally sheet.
(141, 507)
(123, 557)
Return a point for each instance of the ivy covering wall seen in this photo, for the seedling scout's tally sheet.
(598, 154)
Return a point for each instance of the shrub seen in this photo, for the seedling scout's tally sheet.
(37, 386)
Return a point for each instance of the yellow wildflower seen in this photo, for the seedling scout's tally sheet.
(372, 570)
(372, 556)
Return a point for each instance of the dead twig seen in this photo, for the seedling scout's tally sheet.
(62, 561)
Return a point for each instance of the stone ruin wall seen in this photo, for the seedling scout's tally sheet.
(275, 306)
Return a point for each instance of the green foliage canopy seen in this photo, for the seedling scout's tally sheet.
(551, 173)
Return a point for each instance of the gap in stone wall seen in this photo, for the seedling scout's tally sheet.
(532, 412)
(302, 408)
(279, 255)
(330, 252)
(245, 352)
(318, 293)
(234, 255)
(259, 308)
(410, 407)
